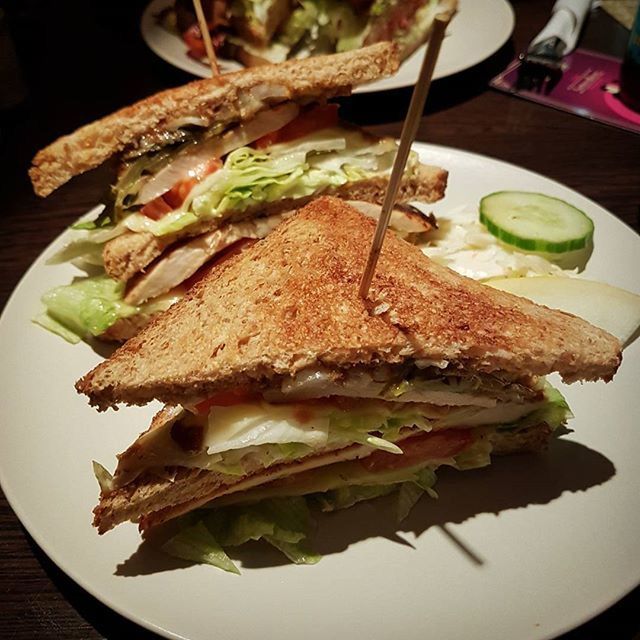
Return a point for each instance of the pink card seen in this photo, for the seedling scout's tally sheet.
(589, 87)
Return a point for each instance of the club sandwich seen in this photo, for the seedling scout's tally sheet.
(207, 168)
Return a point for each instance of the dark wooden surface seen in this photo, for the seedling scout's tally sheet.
(81, 60)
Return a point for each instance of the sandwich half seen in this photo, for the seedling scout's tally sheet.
(209, 165)
(280, 381)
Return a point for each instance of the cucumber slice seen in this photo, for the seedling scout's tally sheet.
(535, 222)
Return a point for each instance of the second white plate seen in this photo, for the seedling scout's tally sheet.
(478, 30)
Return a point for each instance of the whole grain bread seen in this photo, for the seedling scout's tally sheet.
(291, 301)
(230, 98)
(150, 500)
(126, 255)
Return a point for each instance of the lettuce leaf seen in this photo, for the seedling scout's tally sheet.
(249, 178)
(285, 523)
(197, 544)
(348, 495)
(88, 306)
(410, 483)
(555, 412)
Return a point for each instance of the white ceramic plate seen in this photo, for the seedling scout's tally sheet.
(526, 549)
(478, 30)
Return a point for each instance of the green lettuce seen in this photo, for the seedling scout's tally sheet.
(555, 412)
(250, 178)
(410, 484)
(299, 23)
(285, 523)
(196, 544)
(316, 26)
(88, 306)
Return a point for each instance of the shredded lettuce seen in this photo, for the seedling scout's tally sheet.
(409, 483)
(249, 177)
(322, 26)
(245, 436)
(348, 495)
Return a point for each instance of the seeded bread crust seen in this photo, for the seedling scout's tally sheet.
(224, 100)
(291, 301)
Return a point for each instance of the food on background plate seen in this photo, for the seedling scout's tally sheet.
(258, 32)
(284, 388)
(207, 167)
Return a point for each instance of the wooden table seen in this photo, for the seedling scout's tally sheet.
(82, 60)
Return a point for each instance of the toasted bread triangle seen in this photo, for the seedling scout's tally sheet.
(230, 100)
(291, 301)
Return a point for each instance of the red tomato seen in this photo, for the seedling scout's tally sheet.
(172, 199)
(226, 399)
(156, 208)
(316, 118)
(193, 39)
(420, 448)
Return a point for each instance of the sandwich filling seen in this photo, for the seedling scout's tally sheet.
(327, 26)
(328, 438)
(210, 184)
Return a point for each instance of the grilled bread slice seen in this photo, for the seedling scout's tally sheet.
(291, 301)
(230, 98)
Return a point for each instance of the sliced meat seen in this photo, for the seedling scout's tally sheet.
(405, 219)
(181, 262)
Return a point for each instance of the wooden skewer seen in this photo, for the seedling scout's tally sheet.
(407, 137)
(206, 36)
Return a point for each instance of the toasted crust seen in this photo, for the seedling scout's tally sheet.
(291, 301)
(151, 501)
(214, 100)
(130, 253)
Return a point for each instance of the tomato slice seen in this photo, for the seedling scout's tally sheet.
(421, 448)
(172, 199)
(316, 118)
(227, 399)
(193, 39)
(156, 208)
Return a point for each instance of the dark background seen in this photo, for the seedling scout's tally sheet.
(82, 60)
